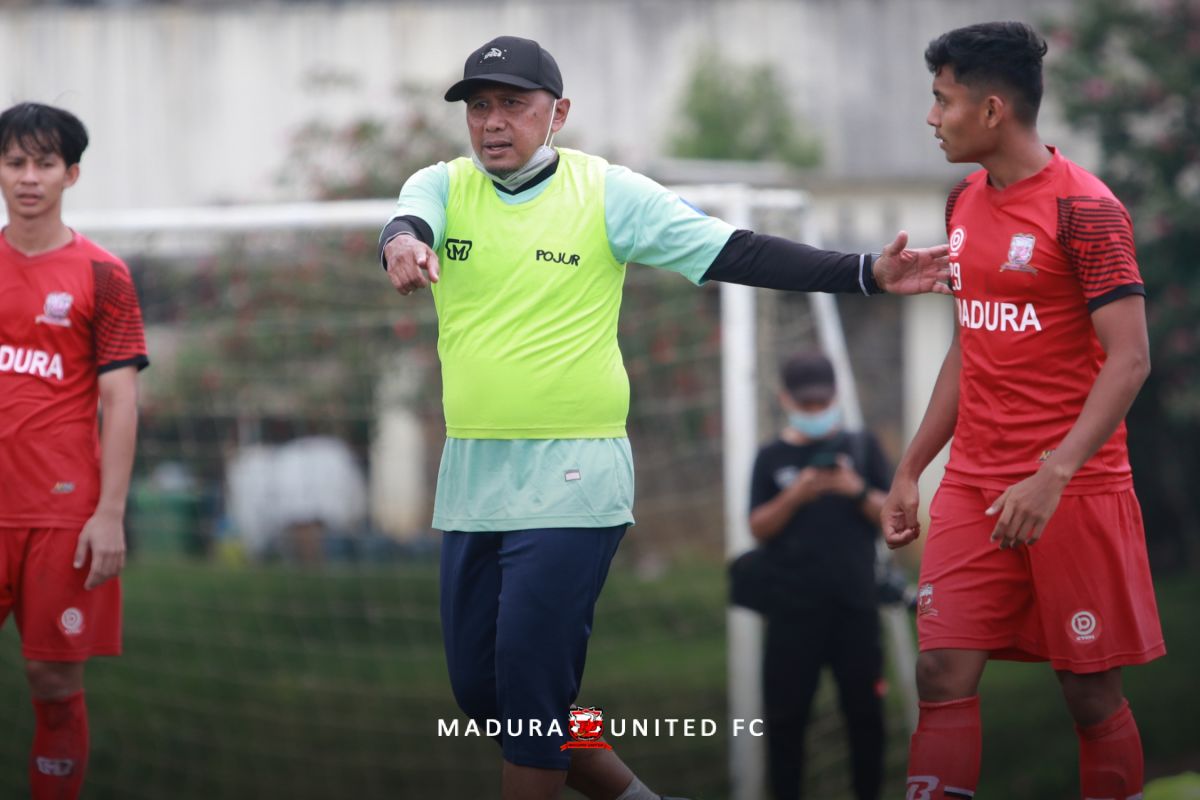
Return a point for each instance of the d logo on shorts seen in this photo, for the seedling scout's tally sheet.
(1085, 627)
(71, 622)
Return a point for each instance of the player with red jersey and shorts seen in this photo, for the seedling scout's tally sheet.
(1036, 549)
(71, 338)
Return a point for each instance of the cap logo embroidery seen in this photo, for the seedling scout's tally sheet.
(495, 52)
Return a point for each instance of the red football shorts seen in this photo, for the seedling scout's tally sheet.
(58, 619)
(1080, 597)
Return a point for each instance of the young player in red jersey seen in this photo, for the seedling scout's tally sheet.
(1050, 351)
(70, 337)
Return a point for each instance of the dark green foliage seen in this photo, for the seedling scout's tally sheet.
(740, 113)
(1129, 72)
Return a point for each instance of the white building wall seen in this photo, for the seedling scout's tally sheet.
(192, 105)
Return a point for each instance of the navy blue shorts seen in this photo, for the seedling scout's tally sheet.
(517, 612)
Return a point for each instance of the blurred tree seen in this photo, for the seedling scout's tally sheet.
(739, 113)
(1128, 71)
(370, 156)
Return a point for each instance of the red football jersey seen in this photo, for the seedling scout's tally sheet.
(1029, 265)
(65, 317)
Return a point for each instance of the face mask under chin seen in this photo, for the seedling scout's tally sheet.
(542, 157)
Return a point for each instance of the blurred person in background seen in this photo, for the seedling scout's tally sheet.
(1036, 550)
(815, 498)
(525, 246)
(70, 337)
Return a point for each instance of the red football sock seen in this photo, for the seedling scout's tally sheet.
(1110, 757)
(944, 754)
(60, 748)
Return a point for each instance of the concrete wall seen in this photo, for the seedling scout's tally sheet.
(191, 105)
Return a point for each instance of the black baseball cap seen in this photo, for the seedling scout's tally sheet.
(510, 60)
(809, 377)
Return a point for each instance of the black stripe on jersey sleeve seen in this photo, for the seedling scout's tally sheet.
(1097, 235)
(1116, 294)
(952, 199)
(117, 330)
(141, 362)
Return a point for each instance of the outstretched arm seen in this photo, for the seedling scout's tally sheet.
(772, 262)
(649, 224)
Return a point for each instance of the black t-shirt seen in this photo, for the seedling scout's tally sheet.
(828, 543)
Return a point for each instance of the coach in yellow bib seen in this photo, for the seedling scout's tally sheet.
(525, 246)
(543, 352)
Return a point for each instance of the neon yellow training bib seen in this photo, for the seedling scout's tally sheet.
(527, 307)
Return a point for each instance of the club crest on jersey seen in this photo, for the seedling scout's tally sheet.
(56, 310)
(1020, 253)
(925, 601)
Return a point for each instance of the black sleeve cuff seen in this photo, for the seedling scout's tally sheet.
(406, 224)
(867, 279)
(1115, 294)
(139, 361)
